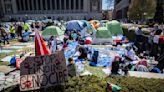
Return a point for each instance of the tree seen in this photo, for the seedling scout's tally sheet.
(110, 4)
(142, 9)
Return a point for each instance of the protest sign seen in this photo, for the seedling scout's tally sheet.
(43, 71)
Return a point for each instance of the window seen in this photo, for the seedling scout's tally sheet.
(39, 6)
(53, 4)
(72, 4)
(26, 5)
(44, 6)
(18, 5)
(58, 4)
(48, 3)
(82, 4)
(21, 1)
(77, 4)
(34, 3)
(63, 4)
(67, 4)
(30, 1)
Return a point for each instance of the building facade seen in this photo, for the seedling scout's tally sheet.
(121, 9)
(39, 9)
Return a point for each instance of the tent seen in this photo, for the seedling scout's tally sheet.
(103, 32)
(90, 29)
(52, 30)
(115, 27)
(74, 25)
(86, 23)
(103, 22)
(102, 35)
(95, 23)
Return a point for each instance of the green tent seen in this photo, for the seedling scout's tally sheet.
(52, 30)
(115, 27)
(103, 32)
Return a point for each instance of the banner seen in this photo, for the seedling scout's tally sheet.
(43, 71)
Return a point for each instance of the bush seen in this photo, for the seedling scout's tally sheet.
(130, 34)
(96, 84)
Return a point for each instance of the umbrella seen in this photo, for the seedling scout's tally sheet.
(115, 27)
(52, 31)
(74, 25)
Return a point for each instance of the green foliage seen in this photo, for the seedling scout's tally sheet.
(96, 84)
(142, 9)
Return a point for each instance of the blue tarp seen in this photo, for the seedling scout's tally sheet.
(71, 49)
(26, 34)
(104, 60)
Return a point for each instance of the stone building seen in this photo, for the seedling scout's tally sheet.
(39, 9)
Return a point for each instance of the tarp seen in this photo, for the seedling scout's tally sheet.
(71, 50)
(103, 32)
(74, 25)
(104, 59)
(52, 30)
(115, 27)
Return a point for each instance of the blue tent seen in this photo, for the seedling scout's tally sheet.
(74, 25)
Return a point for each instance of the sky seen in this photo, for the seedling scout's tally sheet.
(105, 5)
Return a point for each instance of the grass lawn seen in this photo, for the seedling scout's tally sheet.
(97, 83)
(15, 51)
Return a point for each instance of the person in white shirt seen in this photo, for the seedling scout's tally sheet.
(52, 44)
(130, 54)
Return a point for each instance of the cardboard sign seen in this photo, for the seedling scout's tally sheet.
(43, 71)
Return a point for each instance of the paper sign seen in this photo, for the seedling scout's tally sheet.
(43, 71)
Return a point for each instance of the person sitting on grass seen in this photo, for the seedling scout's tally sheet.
(115, 65)
(130, 54)
(142, 65)
(83, 52)
(52, 43)
(71, 68)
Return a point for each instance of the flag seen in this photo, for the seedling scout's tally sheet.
(40, 46)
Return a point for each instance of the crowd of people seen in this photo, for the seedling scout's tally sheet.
(127, 62)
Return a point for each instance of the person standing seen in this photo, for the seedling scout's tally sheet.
(52, 43)
(19, 30)
(4, 35)
(139, 34)
(139, 39)
(12, 31)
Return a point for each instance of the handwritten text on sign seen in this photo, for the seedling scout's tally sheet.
(43, 71)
